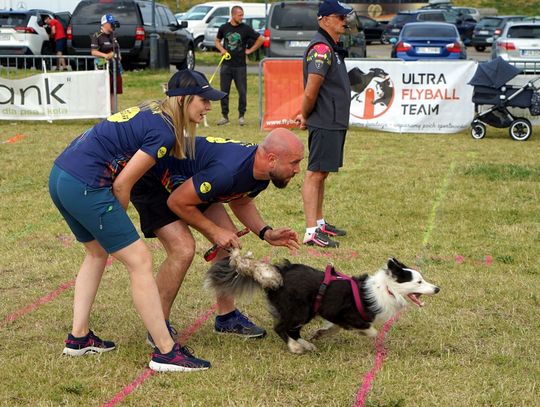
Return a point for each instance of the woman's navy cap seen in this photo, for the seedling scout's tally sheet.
(201, 88)
(328, 7)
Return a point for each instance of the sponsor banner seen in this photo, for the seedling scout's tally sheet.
(56, 96)
(283, 90)
(411, 97)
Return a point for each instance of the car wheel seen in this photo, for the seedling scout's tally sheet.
(520, 129)
(478, 130)
(189, 62)
(199, 44)
(479, 48)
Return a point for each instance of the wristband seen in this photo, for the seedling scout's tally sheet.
(263, 231)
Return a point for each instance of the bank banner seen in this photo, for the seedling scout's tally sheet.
(56, 96)
(411, 97)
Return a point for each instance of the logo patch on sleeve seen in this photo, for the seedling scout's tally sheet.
(162, 152)
(320, 55)
(205, 187)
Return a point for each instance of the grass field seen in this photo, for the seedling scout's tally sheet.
(464, 212)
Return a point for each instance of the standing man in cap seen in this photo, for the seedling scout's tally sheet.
(325, 113)
(105, 47)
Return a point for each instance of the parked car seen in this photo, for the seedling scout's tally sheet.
(469, 11)
(519, 44)
(394, 26)
(464, 25)
(292, 25)
(489, 29)
(133, 35)
(198, 17)
(373, 29)
(22, 32)
(428, 40)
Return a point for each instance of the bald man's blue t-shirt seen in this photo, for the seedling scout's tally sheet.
(98, 155)
(222, 170)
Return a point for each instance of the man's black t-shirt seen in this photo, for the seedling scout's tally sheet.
(235, 39)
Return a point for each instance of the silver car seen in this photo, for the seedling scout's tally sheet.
(519, 44)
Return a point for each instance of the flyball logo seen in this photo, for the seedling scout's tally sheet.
(161, 152)
(372, 92)
(205, 187)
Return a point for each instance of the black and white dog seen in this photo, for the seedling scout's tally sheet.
(296, 294)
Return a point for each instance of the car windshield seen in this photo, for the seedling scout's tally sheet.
(295, 17)
(196, 13)
(257, 23)
(489, 22)
(428, 31)
(13, 19)
(524, 31)
(402, 19)
(124, 12)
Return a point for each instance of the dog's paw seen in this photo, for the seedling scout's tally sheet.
(295, 347)
(306, 345)
(370, 332)
(327, 329)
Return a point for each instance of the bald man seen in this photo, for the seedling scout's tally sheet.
(176, 194)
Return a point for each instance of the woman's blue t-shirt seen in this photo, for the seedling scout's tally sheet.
(98, 155)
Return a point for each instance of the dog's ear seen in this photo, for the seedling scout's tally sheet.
(398, 270)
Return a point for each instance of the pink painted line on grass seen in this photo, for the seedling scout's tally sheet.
(380, 355)
(184, 336)
(31, 307)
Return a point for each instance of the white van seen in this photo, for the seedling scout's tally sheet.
(198, 17)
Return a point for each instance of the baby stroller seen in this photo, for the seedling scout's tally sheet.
(490, 88)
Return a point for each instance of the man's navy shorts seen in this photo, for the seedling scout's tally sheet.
(149, 197)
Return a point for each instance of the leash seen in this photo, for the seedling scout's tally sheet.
(226, 56)
(330, 274)
(211, 253)
(380, 355)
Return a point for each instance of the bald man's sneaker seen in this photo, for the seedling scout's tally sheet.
(223, 121)
(241, 121)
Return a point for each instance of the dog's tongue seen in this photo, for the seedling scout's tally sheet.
(416, 299)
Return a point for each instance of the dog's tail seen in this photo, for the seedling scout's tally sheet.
(239, 275)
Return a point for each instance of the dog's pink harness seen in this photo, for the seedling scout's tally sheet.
(330, 274)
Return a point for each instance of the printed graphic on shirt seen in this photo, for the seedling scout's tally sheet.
(233, 41)
(124, 115)
(161, 152)
(221, 140)
(205, 187)
(320, 55)
(117, 165)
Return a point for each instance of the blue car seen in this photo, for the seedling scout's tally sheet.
(427, 40)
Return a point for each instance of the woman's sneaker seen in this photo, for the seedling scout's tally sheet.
(179, 359)
(172, 332)
(237, 323)
(86, 344)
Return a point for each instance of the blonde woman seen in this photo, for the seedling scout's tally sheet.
(90, 183)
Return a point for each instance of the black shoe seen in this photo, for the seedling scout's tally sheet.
(320, 239)
(331, 230)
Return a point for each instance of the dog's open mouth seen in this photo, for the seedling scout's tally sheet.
(415, 297)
